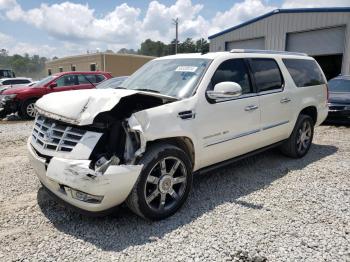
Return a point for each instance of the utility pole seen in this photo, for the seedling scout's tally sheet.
(176, 23)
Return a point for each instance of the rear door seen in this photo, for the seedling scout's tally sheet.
(275, 100)
(87, 81)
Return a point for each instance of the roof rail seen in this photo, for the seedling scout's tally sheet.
(260, 51)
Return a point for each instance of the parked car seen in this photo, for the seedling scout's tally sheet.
(176, 116)
(6, 73)
(114, 82)
(22, 99)
(339, 99)
(10, 82)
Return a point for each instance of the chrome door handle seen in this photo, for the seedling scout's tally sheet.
(251, 108)
(285, 100)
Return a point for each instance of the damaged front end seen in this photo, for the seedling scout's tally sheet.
(90, 160)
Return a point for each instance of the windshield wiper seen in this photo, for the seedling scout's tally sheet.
(119, 87)
(147, 90)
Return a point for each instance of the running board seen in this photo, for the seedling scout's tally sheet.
(236, 159)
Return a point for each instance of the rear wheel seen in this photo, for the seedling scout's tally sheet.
(299, 142)
(164, 183)
(3, 114)
(28, 109)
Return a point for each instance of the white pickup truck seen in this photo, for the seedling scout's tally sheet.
(177, 115)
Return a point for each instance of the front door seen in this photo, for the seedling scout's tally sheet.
(228, 128)
(65, 83)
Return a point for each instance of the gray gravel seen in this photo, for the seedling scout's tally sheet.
(265, 208)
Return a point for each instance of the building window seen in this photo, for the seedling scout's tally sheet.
(92, 67)
(73, 67)
(60, 69)
(49, 72)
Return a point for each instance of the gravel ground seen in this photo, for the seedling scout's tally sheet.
(265, 208)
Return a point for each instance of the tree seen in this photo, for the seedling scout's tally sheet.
(29, 66)
(4, 52)
(158, 48)
(127, 51)
(153, 48)
(187, 46)
(202, 46)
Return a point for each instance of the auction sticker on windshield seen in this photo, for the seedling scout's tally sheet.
(191, 69)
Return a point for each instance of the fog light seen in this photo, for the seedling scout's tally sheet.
(86, 197)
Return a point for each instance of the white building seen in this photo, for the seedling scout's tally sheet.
(323, 33)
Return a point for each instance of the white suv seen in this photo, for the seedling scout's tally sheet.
(177, 115)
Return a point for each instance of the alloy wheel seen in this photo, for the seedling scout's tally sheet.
(31, 110)
(304, 137)
(166, 184)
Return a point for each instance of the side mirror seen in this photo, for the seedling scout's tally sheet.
(53, 85)
(225, 90)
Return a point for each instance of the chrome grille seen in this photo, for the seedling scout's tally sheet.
(53, 135)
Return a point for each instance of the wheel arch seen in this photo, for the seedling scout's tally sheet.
(310, 111)
(182, 142)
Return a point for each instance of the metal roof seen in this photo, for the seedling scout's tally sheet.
(283, 11)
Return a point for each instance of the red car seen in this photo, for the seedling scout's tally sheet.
(22, 99)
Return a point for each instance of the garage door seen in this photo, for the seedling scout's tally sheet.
(256, 43)
(317, 42)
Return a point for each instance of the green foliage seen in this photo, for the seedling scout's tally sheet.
(158, 48)
(29, 66)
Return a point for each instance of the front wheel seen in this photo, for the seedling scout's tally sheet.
(27, 110)
(164, 183)
(299, 142)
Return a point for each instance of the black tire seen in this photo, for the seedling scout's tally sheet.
(3, 114)
(295, 147)
(25, 109)
(147, 184)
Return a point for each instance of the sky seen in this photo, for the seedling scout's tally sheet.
(60, 28)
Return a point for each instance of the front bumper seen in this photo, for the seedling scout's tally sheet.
(9, 106)
(61, 176)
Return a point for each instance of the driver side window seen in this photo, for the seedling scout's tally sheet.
(233, 70)
(67, 80)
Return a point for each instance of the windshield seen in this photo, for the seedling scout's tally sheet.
(172, 77)
(339, 85)
(112, 83)
(43, 82)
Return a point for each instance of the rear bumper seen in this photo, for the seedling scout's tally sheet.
(339, 114)
(322, 113)
(63, 176)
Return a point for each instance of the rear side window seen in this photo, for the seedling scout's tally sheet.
(20, 81)
(87, 79)
(233, 70)
(267, 74)
(304, 72)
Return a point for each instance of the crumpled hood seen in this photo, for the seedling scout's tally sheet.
(80, 107)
